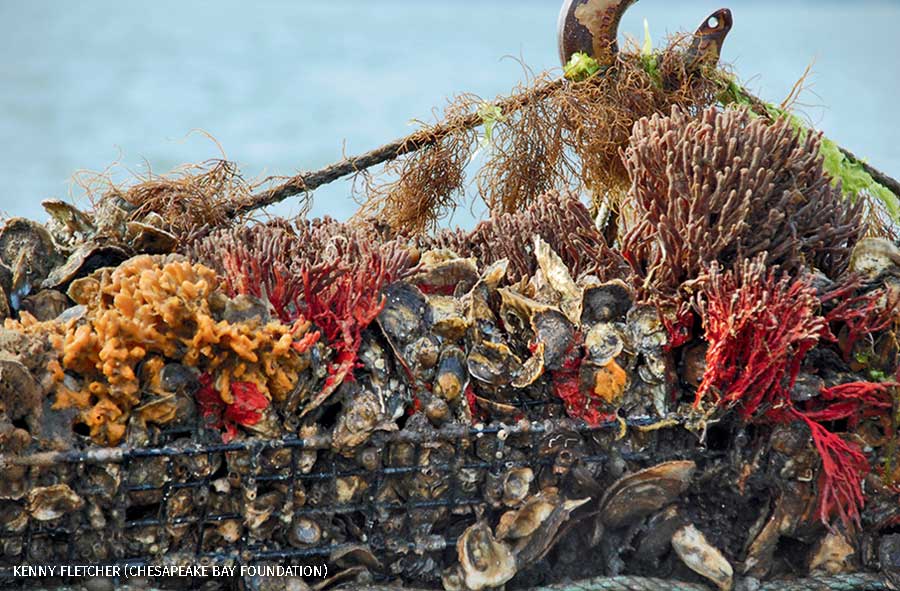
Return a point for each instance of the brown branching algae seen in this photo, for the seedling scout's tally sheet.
(724, 187)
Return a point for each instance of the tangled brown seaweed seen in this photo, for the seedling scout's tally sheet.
(188, 201)
(560, 134)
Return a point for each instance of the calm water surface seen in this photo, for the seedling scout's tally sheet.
(291, 85)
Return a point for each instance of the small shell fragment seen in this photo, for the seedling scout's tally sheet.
(701, 557)
(484, 561)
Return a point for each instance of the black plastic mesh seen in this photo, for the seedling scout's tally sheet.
(172, 502)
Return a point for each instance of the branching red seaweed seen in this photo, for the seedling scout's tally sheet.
(759, 329)
(325, 271)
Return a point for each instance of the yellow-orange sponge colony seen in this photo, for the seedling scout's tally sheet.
(158, 310)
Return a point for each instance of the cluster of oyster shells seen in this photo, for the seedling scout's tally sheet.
(449, 459)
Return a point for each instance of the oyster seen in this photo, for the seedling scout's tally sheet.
(304, 532)
(402, 320)
(523, 522)
(484, 561)
(361, 416)
(646, 330)
(604, 342)
(148, 238)
(441, 271)
(493, 363)
(86, 259)
(534, 546)
(47, 503)
(69, 217)
(46, 304)
(448, 317)
(20, 400)
(642, 493)
(701, 557)
(873, 258)
(29, 251)
(516, 484)
(833, 555)
(554, 272)
(605, 302)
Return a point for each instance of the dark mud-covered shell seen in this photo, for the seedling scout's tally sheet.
(452, 375)
(149, 239)
(46, 304)
(604, 343)
(86, 259)
(605, 302)
(493, 363)
(640, 494)
(557, 334)
(403, 317)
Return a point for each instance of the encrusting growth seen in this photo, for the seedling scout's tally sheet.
(149, 312)
(325, 271)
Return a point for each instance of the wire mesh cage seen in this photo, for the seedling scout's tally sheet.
(396, 508)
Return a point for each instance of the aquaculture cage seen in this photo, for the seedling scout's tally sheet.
(235, 509)
(670, 358)
(294, 502)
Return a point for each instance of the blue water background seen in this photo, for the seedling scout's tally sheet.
(291, 85)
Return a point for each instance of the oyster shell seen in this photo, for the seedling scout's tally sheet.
(516, 484)
(20, 399)
(361, 416)
(873, 258)
(47, 503)
(493, 363)
(604, 342)
(402, 320)
(448, 317)
(304, 532)
(523, 522)
(703, 558)
(46, 304)
(442, 271)
(645, 329)
(86, 259)
(642, 493)
(484, 561)
(605, 302)
(69, 217)
(833, 555)
(148, 238)
(557, 276)
(29, 251)
(534, 546)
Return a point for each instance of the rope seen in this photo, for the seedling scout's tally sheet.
(852, 582)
